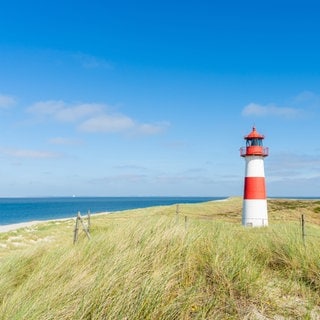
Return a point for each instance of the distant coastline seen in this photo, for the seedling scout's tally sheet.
(23, 210)
(17, 212)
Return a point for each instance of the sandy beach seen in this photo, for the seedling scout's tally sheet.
(15, 226)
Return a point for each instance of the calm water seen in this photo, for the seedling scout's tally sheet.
(15, 210)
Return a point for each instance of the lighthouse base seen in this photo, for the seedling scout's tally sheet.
(255, 213)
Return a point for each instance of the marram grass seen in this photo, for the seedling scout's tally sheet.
(151, 264)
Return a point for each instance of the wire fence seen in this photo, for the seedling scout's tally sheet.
(303, 223)
(306, 228)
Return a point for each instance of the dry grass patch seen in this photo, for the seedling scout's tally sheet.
(144, 264)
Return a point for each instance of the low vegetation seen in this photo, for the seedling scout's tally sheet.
(156, 264)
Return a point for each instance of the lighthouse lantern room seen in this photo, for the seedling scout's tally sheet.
(254, 210)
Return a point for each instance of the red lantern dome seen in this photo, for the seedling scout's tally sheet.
(254, 145)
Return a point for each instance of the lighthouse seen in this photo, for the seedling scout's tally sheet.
(254, 210)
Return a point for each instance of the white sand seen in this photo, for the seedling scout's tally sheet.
(16, 226)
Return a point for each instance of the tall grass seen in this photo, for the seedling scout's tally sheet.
(151, 267)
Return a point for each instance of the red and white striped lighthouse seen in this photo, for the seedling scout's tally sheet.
(254, 210)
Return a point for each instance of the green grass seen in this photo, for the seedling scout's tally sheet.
(147, 264)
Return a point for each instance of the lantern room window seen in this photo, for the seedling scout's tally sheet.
(254, 142)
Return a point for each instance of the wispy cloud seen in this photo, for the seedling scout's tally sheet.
(94, 118)
(6, 101)
(307, 99)
(120, 179)
(107, 123)
(291, 166)
(254, 109)
(185, 178)
(291, 185)
(302, 104)
(31, 154)
(91, 62)
(289, 161)
(150, 129)
(116, 123)
(60, 111)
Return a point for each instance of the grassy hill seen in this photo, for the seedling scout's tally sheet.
(154, 264)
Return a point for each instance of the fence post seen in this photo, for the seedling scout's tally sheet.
(84, 227)
(303, 229)
(186, 222)
(76, 228)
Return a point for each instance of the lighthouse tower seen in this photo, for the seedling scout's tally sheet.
(254, 210)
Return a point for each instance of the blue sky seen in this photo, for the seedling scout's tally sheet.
(135, 98)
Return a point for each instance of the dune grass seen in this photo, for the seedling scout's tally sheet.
(147, 264)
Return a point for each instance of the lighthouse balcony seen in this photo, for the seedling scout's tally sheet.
(254, 151)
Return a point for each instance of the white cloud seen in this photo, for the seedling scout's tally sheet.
(254, 109)
(111, 123)
(149, 129)
(46, 108)
(107, 123)
(93, 118)
(6, 101)
(64, 113)
(27, 153)
(78, 112)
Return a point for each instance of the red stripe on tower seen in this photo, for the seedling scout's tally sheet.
(254, 188)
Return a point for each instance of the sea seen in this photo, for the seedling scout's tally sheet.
(17, 210)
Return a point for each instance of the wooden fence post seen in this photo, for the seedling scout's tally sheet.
(84, 227)
(76, 228)
(186, 222)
